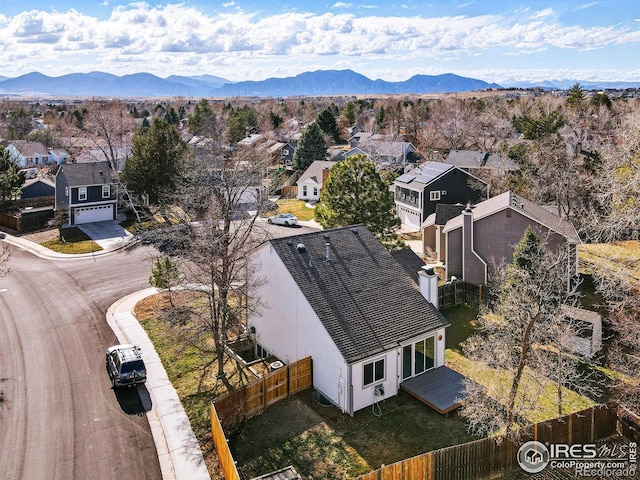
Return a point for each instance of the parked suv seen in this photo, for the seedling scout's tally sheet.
(125, 365)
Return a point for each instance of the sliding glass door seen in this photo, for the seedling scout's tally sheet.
(418, 357)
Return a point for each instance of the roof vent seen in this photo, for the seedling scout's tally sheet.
(301, 248)
(289, 242)
(354, 231)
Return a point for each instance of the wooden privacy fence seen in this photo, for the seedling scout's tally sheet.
(254, 398)
(459, 292)
(227, 463)
(490, 457)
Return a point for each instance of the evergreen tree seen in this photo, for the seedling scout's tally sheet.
(157, 157)
(327, 123)
(355, 193)
(203, 120)
(10, 177)
(311, 147)
(240, 123)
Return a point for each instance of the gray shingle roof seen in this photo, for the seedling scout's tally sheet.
(314, 172)
(479, 159)
(83, 174)
(363, 297)
(523, 206)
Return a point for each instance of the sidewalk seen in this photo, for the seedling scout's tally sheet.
(178, 449)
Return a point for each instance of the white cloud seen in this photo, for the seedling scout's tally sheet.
(543, 13)
(176, 38)
(584, 6)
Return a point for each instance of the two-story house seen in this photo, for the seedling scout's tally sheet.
(88, 192)
(418, 191)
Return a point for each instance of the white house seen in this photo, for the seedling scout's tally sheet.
(311, 181)
(340, 297)
(58, 156)
(27, 154)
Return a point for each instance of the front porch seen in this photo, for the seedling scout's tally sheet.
(440, 388)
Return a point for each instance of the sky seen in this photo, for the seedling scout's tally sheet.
(497, 41)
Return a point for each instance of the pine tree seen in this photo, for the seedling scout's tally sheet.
(157, 157)
(355, 193)
(311, 147)
(327, 123)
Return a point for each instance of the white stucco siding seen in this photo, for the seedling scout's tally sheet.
(288, 327)
(364, 396)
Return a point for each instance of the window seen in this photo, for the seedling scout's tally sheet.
(106, 191)
(373, 372)
(82, 193)
(315, 191)
(304, 190)
(285, 151)
(434, 195)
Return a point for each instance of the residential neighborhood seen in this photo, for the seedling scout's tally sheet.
(423, 291)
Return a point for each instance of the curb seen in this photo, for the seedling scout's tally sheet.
(179, 452)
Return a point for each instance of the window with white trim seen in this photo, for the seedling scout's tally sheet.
(315, 191)
(373, 372)
(106, 191)
(82, 193)
(304, 190)
(434, 195)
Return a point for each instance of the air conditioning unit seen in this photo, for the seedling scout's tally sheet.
(275, 366)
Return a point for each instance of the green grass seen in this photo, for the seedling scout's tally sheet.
(323, 443)
(73, 241)
(500, 381)
(295, 206)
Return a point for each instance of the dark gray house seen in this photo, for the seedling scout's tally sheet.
(418, 191)
(88, 192)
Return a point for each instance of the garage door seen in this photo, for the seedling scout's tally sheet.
(99, 213)
(409, 217)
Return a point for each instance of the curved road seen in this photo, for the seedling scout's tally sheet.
(59, 417)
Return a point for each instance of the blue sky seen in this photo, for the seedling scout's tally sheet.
(497, 41)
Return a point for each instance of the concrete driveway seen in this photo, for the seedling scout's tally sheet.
(108, 235)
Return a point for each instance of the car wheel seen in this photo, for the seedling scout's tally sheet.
(286, 224)
(269, 221)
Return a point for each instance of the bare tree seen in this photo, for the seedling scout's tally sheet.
(515, 335)
(614, 211)
(223, 191)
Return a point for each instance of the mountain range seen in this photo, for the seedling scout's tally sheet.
(321, 82)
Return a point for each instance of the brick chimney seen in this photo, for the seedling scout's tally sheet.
(325, 175)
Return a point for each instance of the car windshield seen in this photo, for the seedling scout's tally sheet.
(129, 367)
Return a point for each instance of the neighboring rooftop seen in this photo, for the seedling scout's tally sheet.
(523, 206)
(95, 173)
(424, 174)
(479, 159)
(366, 301)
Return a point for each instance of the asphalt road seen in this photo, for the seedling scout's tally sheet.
(59, 417)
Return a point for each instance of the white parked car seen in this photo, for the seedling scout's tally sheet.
(286, 219)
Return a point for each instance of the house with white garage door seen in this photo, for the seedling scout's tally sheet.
(88, 192)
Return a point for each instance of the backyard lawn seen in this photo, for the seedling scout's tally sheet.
(323, 443)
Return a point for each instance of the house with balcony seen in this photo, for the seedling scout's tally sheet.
(421, 189)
